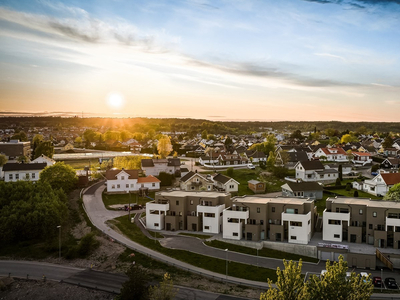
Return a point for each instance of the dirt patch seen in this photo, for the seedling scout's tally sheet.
(39, 290)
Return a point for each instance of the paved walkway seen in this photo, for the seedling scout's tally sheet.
(99, 215)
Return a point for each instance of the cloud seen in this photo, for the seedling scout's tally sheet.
(330, 55)
(356, 3)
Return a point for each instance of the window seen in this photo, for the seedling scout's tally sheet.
(27, 175)
(113, 186)
(297, 224)
(261, 222)
(180, 213)
(370, 226)
(360, 212)
(273, 209)
(374, 214)
(191, 202)
(10, 176)
(177, 202)
(17, 176)
(209, 215)
(122, 177)
(258, 210)
(142, 185)
(156, 225)
(127, 186)
(235, 234)
(292, 237)
(206, 227)
(153, 184)
(118, 186)
(334, 222)
(336, 236)
(192, 187)
(33, 175)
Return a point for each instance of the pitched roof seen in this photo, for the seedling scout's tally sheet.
(147, 163)
(304, 186)
(297, 156)
(331, 151)
(187, 176)
(174, 162)
(391, 178)
(149, 178)
(312, 165)
(222, 178)
(361, 153)
(111, 174)
(24, 167)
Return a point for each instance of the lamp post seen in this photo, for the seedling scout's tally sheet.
(226, 250)
(257, 257)
(381, 279)
(129, 206)
(59, 242)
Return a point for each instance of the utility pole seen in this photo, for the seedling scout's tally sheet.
(59, 242)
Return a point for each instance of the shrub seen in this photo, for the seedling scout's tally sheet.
(355, 194)
(338, 182)
(166, 179)
(229, 172)
(374, 168)
(348, 186)
(280, 172)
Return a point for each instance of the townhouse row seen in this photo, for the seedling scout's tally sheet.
(284, 219)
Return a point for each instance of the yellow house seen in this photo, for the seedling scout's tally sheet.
(68, 146)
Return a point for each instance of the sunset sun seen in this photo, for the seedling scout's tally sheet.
(115, 100)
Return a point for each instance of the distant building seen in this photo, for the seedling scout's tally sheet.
(311, 190)
(256, 186)
(14, 149)
(44, 159)
(155, 166)
(123, 181)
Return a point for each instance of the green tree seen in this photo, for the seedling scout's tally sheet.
(393, 194)
(3, 160)
(335, 285)
(348, 138)
(228, 141)
(165, 291)
(229, 172)
(340, 169)
(271, 160)
(23, 159)
(37, 139)
(20, 136)
(204, 134)
(289, 285)
(59, 176)
(388, 142)
(297, 135)
(355, 194)
(338, 182)
(164, 146)
(89, 135)
(136, 285)
(333, 140)
(128, 162)
(331, 286)
(45, 148)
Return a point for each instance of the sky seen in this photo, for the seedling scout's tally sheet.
(299, 60)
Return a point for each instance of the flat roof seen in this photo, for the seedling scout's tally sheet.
(180, 193)
(265, 200)
(365, 201)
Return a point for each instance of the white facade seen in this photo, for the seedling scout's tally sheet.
(155, 215)
(332, 154)
(212, 217)
(376, 186)
(124, 182)
(333, 225)
(299, 227)
(13, 176)
(232, 223)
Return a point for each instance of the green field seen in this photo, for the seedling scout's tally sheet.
(113, 199)
(82, 163)
(205, 262)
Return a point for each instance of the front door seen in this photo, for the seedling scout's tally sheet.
(168, 226)
(249, 236)
(194, 227)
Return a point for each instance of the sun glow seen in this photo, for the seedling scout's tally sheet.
(115, 100)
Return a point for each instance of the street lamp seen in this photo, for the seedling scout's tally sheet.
(129, 207)
(226, 250)
(59, 242)
(381, 279)
(257, 257)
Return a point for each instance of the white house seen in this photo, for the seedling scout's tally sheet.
(381, 183)
(122, 181)
(314, 171)
(299, 227)
(225, 183)
(332, 154)
(15, 171)
(194, 181)
(333, 224)
(234, 218)
(44, 159)
(156, 166)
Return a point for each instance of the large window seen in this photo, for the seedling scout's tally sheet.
(334, 222)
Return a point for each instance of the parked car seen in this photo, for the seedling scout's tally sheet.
(251, 166)
(365, 276)
(374, 173)
(377, 281)
(391, 283)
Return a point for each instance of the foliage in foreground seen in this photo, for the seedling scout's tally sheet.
(164, 291)
(59, 176)
(30, 211)
(136, 285)
(332, 285)
(393, 194)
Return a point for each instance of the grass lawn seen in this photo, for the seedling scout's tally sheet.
(265, 252)
(321, 204)
(200, 236)
(80, 164)
(209, 263)
(361, 194)
(112, 199)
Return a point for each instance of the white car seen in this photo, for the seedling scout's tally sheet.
(251, 166)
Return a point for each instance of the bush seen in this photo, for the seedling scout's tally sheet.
(374, 168)
(229, 172)
(348, 186)
(280, 172)
(263, 165)
(355, 194)
(166, 179)
(87, 244)
(338, 182)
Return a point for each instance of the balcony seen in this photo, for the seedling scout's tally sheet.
(237, 213)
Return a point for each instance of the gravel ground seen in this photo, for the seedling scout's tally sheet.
(39, 290)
